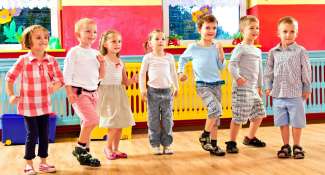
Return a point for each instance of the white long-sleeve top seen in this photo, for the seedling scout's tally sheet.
(161, 72)
(81, 68)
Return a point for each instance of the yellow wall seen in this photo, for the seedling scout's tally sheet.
(252, 3)
(110, 2)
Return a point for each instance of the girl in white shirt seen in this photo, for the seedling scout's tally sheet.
(113, 106)
(162, 85)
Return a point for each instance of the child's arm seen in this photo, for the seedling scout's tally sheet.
(58, 78)
(174, 76)
(269, 74)
(233, 67)
(68, 70)
(11, 76)
(221, 56)
(183, 59)
(102, 65)
(127, 81)
(72, 97)
(260, 78)
(306, 75)
(143, 77)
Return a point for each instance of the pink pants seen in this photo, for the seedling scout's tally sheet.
(85, 108)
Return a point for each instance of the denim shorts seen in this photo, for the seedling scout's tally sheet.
(211, 97)
(289, 111)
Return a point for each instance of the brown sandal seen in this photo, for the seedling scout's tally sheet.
(285, 152)
(298, 152)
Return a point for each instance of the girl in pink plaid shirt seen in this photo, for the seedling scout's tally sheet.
(40, 77)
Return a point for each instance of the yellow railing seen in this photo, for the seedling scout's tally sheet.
(187, 105)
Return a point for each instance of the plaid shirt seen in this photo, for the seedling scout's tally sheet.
(288, 71)
(35, 83)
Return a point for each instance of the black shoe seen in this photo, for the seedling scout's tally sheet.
(205, 143)
(217, 151)
(85, 158)
(231, 147)
(253, 142)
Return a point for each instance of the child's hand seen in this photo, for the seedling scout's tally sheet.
(175, 93)
(72, 98)
(13, 99)
(220, 50)
(134, 78)
(144, 96)
(100, 59)
(268, 92)
(306, 95)
(241, 81)
(260, 92)
(54, 87)
(182, 77)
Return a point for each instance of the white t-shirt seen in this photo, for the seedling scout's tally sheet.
(81, 68)
(161, 72)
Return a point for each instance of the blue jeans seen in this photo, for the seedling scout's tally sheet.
(37, 128)
(160, 121)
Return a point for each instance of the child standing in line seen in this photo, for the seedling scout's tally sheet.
(162, 86)
(113, 105)
(40, 77)
(288, 81)
(246, 68)
(207, 60)
(83, 69)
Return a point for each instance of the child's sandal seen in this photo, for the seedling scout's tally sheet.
(298, 152)
(285, 152)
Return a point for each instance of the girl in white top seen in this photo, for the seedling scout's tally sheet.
(162, 86)
(113, 106)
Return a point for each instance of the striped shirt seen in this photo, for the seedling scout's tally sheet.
(288, 71)
(113, 73)
(246, 62)
(35, 83)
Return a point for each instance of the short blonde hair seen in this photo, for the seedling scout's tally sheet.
(206, 18)
(103, 39)
(152, 33)
(81, 22)
(26, 39)
(245, 20)
(288, 20)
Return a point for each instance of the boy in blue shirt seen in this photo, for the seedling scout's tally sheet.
(207, 60)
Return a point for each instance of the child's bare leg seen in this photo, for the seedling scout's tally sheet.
(296, 134)
(29, 163)
(117, 137)
(85, 132)
(110, 139)
(234, 129)
(209, 123)
(285, 134)
(253, 126)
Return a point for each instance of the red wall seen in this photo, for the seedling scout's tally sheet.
(311, 33)
(134, 22)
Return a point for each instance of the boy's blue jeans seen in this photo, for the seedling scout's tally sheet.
(160, 120)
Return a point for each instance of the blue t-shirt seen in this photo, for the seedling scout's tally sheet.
(205, 62)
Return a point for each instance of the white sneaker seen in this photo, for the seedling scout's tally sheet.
(156, 150)
(168, 150)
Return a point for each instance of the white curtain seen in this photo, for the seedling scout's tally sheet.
(11, 4)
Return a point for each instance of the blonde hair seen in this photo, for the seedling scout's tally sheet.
(245, 20)
(288, 20)
(206, 18)
(26, 39)
(81, 22)
(103, 39)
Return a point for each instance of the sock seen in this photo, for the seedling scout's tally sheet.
(82, 145)
(205, 133)
(214, 143)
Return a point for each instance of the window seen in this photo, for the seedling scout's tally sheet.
(16, 15)
(180, 17)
